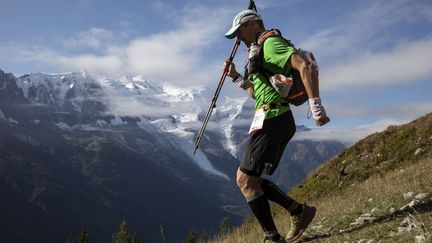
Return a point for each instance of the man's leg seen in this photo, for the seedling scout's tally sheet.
(301, 215)
(250, 186)
(276, 195)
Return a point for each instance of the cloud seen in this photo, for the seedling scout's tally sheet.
(406, 62)
(383, 116)
(177, 55)
(95, 38)
(96, 64)
(368, 46)
(133, 106)
(158, 5)
(400, 111)
(167, 55)
(346, 135)
(355, 29)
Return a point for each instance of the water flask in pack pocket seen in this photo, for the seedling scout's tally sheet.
(281, 84)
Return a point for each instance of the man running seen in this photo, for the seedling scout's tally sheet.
(273, 125)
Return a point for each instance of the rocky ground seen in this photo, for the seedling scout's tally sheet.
(410, 223)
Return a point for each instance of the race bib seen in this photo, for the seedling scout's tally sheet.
(258, 120)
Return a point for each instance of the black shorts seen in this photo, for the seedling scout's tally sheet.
(265, 147)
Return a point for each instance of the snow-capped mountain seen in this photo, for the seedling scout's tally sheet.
(65, 92)
(172, 112)
(123, 148)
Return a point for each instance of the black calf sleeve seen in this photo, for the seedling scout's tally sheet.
(261, 209)
(276, 195)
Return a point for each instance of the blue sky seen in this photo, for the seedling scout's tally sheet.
(374, 56)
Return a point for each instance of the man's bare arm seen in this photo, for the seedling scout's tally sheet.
(308, 74)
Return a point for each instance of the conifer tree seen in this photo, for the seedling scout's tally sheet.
(135, 238)
(122, 236)
(203, 238)
(224, 226)
(162, 234)
(191, 237)
(83, 236)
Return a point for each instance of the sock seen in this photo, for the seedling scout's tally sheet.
(276, 195)
(261, 209)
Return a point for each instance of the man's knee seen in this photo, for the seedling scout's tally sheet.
(241, 180)
(250, 186)
(244, 180)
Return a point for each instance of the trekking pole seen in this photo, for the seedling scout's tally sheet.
(218, 89)
(216, 95)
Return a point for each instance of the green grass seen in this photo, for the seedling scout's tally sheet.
(378, 153)
(337, 212)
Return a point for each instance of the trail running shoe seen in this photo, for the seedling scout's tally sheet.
(300, 222)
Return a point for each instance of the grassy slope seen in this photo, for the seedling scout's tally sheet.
(373, 173)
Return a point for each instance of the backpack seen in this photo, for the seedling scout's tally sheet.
(297, 94)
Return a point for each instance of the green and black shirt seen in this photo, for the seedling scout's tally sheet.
(277, 52)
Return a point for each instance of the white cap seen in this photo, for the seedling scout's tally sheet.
(241, 18)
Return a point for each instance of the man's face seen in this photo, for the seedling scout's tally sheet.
(245, 33)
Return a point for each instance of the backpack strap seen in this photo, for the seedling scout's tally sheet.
(263, 37)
